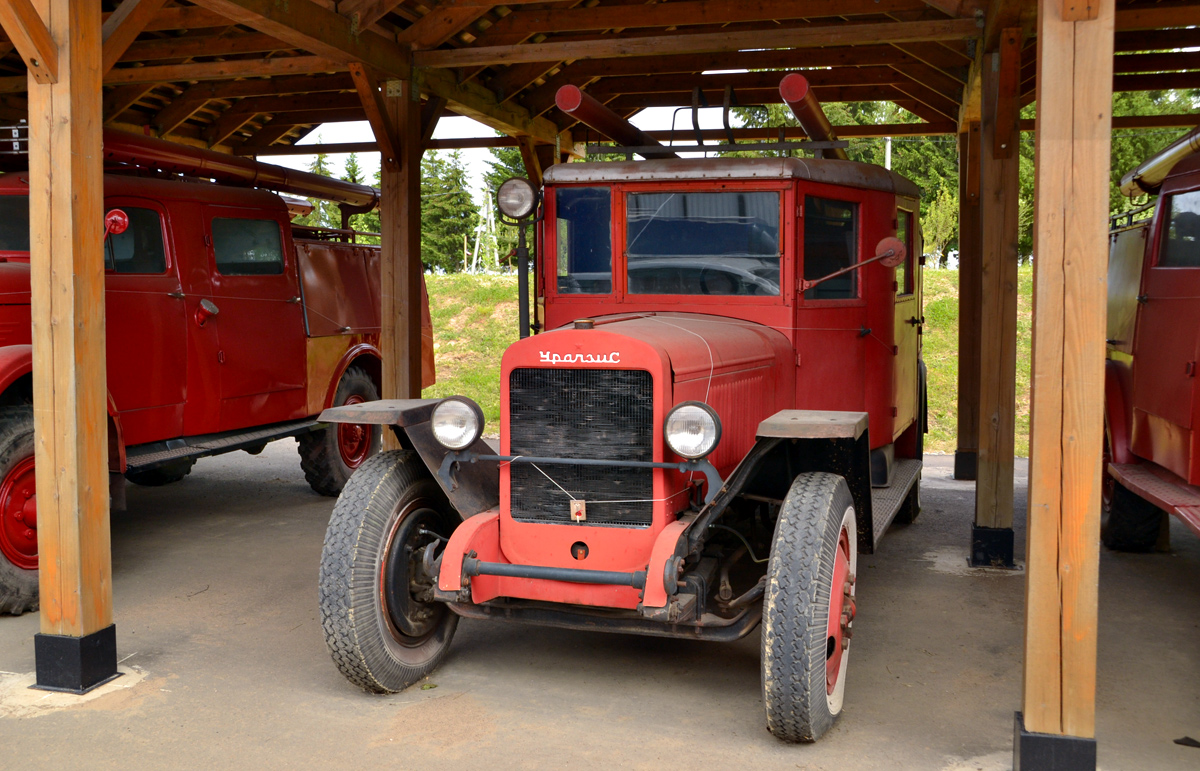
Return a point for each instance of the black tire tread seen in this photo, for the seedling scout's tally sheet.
(165, 474)
(1132, 523)
(798, 590)
(347, 583)
(18, 587)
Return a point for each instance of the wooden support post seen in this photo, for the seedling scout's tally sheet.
(76, 649)
(400, 267)
(992, 535)
(1075, 61)
(533, 163)
(970, 287)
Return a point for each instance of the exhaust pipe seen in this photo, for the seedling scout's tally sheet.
(142, 152)
(590, 112)
(1149, 176)
(798, 95)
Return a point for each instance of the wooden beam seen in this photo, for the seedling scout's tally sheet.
(202, 45)
(1137, 63)
(999, 187)
(474, 101)
(970, 291)
(1157, 40)
(431, 112)
(367, 11)
(66, 205)
(123, 26)
(195, 97)
(305, 24)
(1071, 200)
(753, 96)
(372, 147)
(400, 258)
(377, 115)
(1008, 92)
(1157, 17)
(805, 37)
(121, 98)
(264, 138)
(29, 35)
(167, 73)
(439, 25)
(533, 164)
(777, 59)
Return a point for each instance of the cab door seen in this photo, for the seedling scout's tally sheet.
(906, 330)
(145, 324)
(259, 317)
(1166, 340)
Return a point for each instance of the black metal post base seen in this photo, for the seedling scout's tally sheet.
(991, 547)
(75, 664)
(966, 465)
(1051, 752)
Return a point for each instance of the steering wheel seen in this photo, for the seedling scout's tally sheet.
(719, 280)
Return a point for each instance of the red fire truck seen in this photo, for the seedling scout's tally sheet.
(725, 410)
(1152, 413)
(227, 328)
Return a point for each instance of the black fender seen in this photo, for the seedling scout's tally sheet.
(476, 485)
(789, 443)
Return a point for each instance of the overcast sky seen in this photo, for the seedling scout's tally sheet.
(451, 127)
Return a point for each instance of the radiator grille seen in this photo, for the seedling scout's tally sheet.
(582, 413)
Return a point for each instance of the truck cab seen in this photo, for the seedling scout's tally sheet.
(226, 326)
(723, 406)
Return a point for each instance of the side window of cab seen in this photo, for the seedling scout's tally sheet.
(830, 245)
(140, 249)
(247, 247)
(1181, 235)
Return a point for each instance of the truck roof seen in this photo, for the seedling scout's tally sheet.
(848, 173)
(161, 189)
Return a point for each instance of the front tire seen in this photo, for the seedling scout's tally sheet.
(383, 629)
(18, 512)
(330, 455)
(1130, 522)
(808, 608)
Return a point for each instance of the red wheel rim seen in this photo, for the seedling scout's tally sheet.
(354, 439)
(1107, 483)
(18, 516)
(841, 613)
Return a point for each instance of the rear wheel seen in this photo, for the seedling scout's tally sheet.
(18, 512)
(161, 475)
(329, 456)
(383, 628)
(808, 608)
(1130, 522)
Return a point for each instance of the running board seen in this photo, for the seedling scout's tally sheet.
(146, 456)
(886, 501)
(1163, 488)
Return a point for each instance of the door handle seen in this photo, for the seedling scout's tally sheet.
(206, 310)
(293, 300)
(175, 295)
(916, 321)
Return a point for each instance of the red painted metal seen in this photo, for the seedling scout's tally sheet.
(1168, 491)
(354, 440)
(586, 109)
(837, 627)
(799, 97)
(18, 516)
(134, 150)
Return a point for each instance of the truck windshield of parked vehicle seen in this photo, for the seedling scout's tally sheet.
(247, 247)
(14, 223)
(1181, 242)
(830, 244)
(683, 243)
(584, 234)
(140, 248)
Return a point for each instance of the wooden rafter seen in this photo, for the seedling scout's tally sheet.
(202, 45)
(123, 26)
(369, 96)
(655, 45)
(439, 25)
(364, 13)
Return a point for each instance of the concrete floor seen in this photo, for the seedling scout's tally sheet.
(215, 595)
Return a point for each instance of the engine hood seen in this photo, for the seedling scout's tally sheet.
(691, 345)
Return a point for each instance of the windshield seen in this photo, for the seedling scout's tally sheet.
(14, 223)
(584, 235)
(723, 243)
(1181, 239)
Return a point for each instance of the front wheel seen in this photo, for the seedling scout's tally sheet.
(808, 608)
(383, 627)
(1129, 522)
(331, 454)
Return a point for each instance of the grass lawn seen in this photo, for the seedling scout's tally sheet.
(475, 319)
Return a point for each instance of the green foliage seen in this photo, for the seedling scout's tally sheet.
(939, 226)
(325, 214)
(448, 213)
(504, 164)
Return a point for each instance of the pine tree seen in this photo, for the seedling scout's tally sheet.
(325, 214)
(352, 172)
(448, 212)
(504, 164)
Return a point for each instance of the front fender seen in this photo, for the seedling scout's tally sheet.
(475, 486)
(16, 361)
(1118, 416)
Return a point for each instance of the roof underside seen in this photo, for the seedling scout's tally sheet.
(243, 75)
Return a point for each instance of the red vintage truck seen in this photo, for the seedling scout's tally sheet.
(227, 328)
(1152, 403)
(726, 409)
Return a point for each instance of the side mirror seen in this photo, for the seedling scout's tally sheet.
(890, 252)
(115, 222)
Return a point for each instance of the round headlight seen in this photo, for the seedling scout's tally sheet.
(516, 198)
(692, 429)
(456, 422)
